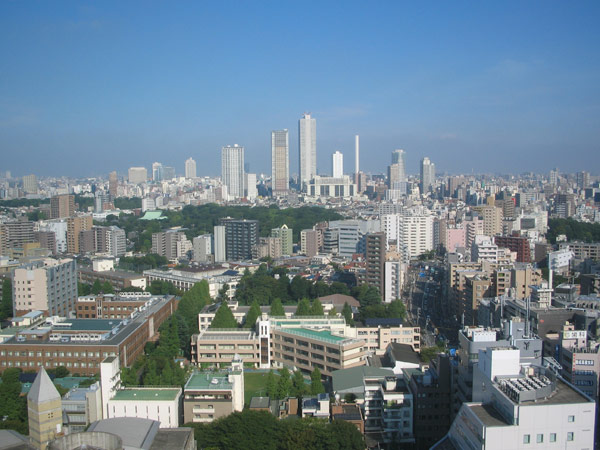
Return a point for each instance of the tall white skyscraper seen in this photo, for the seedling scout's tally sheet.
(337, 160)
(398, 157)
(307, 144)
(157, 171)
(190, 168)
(232, 170)
(280, 162)
(427, 174)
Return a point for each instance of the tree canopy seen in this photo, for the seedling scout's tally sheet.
(224, 318)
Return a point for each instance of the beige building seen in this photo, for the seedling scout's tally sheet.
(210, 395)
(217, 347)
(62, 206)
(75, 227)
(44, 411)
(378, 338)
(492, 219)
(49, 285)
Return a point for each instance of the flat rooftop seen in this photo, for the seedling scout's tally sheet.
(488, 415)
(222, 334)
(209, 381)
(325, 336)
(87, 324)
(144, 394)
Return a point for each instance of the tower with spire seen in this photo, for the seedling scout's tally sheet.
(45, 413)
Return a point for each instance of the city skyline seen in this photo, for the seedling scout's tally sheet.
(474, 87)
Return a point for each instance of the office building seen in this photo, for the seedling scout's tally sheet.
(157, 172)
(44, 411)
(62, 206)
(280, 162)
(329, 187)
(307, 145)
(399, 164)
(579, 359)
(48, 285)
(241, 235)
(309, 243)
(47, 240)
(232, 170)
(427, 175)
(82, 344)
(492, 219)
(137, 175)
(520, 406)
(250, 191)
(102, 202)
(76, 227)
(286, 235)
(337, 161)
(30, 184)
(113, 184)
(190, 168)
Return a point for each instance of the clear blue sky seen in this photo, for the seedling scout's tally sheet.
(89, 87)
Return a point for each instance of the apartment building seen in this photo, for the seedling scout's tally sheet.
(379, 333)
(48, 285)
(76, 239)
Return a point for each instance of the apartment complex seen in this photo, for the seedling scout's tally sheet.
(62, 206)
(76, 226)
(48, 285)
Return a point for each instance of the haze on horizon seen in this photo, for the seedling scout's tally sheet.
(87, 88)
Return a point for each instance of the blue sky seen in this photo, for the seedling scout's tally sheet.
(90, 87)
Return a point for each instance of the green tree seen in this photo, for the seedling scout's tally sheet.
(6, 306)
(96, 287)
(253, 314)
(224, 318)
(303, 308)
(332, 312)
(107, 288)
(316, 309)
(271, 384)
(347, 313)
(316, 385)
(277, 308)
(284, 384)
(299, 387)
(83, 289)
(396, 309)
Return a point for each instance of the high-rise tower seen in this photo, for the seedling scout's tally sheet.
(398, 157)
(190, 168)
(337, 160)
(307, 144)
(232, 170)
(427, 174)
(280, 162)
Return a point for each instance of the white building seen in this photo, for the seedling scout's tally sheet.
(202, 248)
(137, 175)
(190, 168)
(232, 170)
(157, 171)
(251, 191)
(307, 144)
(59, 228)
(280, 162)
(337, 161)
(219, 241)
(395, 275)
(330, 187)
(148, 204)
(521, 406)
(484, 249)
(427, 175)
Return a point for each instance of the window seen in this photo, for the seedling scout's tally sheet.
(526, 439)
(571, 419)
(552, 437)
(539, 439)
(570, 436)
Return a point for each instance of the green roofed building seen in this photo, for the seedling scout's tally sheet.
(155, 403)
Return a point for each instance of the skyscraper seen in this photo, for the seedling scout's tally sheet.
(190, 168)
(232, 170)
(157, 171)
(337, 159)
(137, 175)
(398, 167)
(427, 174)
(280, 162)
(113, 184)
(307, 144)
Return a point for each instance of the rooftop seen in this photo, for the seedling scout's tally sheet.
(87, 324)
(209, 380)
(488, 415)
(147, 394)
(325, 336)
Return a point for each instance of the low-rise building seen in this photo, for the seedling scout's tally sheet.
(317, 406)
(154, 403)
(217, 347)
(80, 407)
(110, 306)
(209, 395)
(118, 279)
